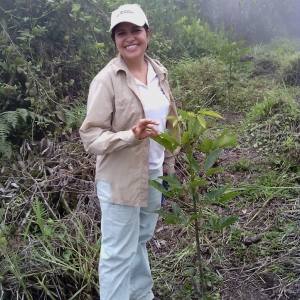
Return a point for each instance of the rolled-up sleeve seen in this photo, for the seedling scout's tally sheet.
(96, 131)
(169, 159)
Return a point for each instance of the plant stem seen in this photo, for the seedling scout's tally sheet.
(196, 224)
(199, 259)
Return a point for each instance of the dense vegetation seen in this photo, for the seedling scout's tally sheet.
(49, 52)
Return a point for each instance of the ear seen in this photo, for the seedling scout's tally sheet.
(148, 32)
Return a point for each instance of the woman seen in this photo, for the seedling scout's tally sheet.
(128, 102)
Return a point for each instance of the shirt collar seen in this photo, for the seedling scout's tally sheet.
(120, 65)
(150, 75)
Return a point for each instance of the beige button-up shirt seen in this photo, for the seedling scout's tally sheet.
(114, 106)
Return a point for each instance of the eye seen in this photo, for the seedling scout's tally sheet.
(120, 33)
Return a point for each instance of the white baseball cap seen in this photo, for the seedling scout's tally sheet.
(131, 13)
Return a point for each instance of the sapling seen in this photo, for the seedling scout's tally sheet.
(230, 54)
(197, 187)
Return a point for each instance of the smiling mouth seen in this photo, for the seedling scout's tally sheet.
(131, 47)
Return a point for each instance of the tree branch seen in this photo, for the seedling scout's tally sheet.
(98, 10)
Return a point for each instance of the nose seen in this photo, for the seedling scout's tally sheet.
(130, 37)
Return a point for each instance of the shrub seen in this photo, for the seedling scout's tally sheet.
(195, 83)
(290, 71)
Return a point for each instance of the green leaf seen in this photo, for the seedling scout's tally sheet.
(206, 145)
(195, 165)
(67, 254)
(228, 196)
(165, 142)
(194, 217)
(157, 185)
(226, 221)
(194, 128)
(183, 114)
(191, 114)
(171, 178)
(99, 45)
(213, 171)
(215, 194)
(185, 138)
(171, 118)
(23, 113)
(176, 218)
(76, 7)
(167, 136)
(210, 113)
(97, 30)
(168, 132)
(201, 148)
(213, 222)
(197, 183)
(201, 121)
(48, 231)
(170, 219)
(161, 213)
(184, 156)
(176, 209)
(212, 157)
(222, 141)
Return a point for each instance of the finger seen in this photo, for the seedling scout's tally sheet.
(145, 122)
(151, 128)
(136, 131)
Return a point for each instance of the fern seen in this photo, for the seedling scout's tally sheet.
(10, 118)
(75, 116)
(9, 121)
(4, 131)
(5, 149)
(24, 113)
(39, 118)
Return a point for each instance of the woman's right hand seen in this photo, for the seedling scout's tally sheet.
(145, 128)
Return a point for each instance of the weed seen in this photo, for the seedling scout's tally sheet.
(241, 165)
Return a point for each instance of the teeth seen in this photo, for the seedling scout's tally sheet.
(131, 47)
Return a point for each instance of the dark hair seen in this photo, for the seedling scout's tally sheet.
(113, 31)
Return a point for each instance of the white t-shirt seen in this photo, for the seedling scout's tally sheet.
(156, 107)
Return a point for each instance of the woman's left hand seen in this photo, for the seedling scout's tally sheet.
(145, 128)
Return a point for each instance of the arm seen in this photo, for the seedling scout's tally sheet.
(96, 130)
(169, 161)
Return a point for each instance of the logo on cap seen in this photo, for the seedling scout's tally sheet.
(126, 11)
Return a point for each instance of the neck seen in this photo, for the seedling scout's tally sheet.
(139, 69)
(136, 65)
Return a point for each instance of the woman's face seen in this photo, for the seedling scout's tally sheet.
(131, 40)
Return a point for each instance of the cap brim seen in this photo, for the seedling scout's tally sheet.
(122, 20)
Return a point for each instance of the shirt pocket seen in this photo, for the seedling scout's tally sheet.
(128, 111)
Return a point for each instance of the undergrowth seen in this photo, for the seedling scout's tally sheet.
(49, 217)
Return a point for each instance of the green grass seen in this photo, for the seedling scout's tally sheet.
(39, 254)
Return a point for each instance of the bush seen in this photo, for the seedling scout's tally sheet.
(195, 83)
(290, 71)
(266, 127)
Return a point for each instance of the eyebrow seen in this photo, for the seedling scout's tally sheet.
(121, 29)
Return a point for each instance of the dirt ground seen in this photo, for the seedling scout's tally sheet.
(252, 281)
(247, 270)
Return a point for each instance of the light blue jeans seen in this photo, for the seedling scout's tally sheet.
(124, 270)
